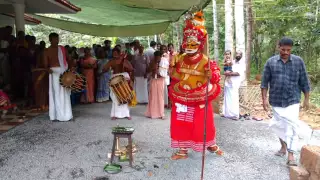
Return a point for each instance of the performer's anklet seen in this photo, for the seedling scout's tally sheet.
(178, 155)
(218, 151)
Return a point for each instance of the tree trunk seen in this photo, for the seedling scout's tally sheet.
(249, 37)
(215, 30)
(240, 34)
(241, 43)
(228, 25)
(178, 35)
(317, 11)
(160, 38)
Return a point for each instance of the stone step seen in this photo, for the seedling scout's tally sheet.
(310, 159)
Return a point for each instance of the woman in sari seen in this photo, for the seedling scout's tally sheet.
(103, 77)
(41, 81)
(155, 107)
(88, 65)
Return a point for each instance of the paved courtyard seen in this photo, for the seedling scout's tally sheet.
(40, 149)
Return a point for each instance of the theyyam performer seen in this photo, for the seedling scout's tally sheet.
(189, 93)
(59, 96)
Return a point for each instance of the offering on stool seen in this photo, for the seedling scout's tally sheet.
(73, 80)
(122, 132)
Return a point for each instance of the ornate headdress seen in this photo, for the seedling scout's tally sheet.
(194, 28)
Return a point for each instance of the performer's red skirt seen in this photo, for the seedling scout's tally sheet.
(187, 128)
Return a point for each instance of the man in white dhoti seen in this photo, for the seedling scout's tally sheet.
(231, 107)
(140, 64)
(119, 111)
(164, 65)
(59, 97)
(118, 64)
(286, 76)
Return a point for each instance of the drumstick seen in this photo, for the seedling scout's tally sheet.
(124, 56)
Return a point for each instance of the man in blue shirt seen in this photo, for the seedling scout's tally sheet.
(108, 49)
(286, 77)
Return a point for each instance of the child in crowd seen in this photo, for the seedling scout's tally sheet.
(227, 64)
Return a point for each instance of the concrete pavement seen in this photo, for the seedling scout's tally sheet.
(40, 149)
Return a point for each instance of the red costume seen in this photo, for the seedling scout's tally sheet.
(191, 72)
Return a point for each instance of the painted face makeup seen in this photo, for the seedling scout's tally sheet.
(192, 45)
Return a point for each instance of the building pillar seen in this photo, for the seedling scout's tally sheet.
(19, 9)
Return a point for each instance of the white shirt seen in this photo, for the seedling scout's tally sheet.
(3, 44)
(236, 80)
(150, 53)
(164, 68)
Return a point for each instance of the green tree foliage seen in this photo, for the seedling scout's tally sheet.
(274, 19)
(296, 19)
(41, 32)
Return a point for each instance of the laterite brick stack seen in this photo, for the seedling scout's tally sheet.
(310, 164)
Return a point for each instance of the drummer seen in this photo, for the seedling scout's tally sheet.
(56, 61)
(119, 65)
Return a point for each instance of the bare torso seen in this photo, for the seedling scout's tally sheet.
(51, 57)
(117, 66)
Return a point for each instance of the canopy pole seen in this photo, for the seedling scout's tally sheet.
(19, 9)
(155, 38)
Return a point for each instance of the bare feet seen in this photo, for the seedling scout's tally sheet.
(113, 118)
(129, 118)
(234, 118)
(291, 161)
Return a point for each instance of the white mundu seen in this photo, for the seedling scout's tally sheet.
(163, 71)
(231, 107)
(119, 111)
(59, 97)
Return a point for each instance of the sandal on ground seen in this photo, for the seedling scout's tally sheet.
(181, 154)
(129, 118)
(292, 163)
(247, 116)
(257, 119)
(280, 153)
(113, 118)
(215, 149)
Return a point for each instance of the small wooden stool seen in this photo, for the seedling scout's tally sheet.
(122, 135)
